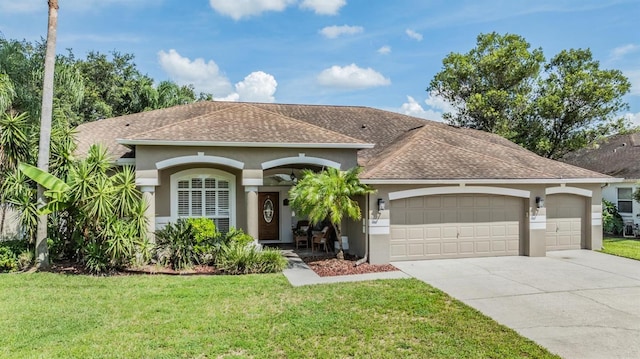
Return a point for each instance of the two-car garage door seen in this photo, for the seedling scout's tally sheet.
(455, 226)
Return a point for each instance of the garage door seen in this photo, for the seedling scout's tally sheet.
(455, 226)
(565, 219)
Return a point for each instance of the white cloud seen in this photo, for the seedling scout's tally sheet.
(204, 76)
(413, 108)
(634, 118)
(634, 78)
(257, 87)
(237, 9)
(414, 35)
(351, 77)
(324, 7)
(436, 102)
(334, 31)
(384, 50)
(621, 51)
(437, 106)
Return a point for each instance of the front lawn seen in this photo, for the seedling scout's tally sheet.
(623, 247)
(49, 315)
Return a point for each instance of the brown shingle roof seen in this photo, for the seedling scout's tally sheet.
(405, 147)
(617, 156)
(437, 152)
(245, 123)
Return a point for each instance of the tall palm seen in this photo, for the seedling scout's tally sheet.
(42, 252)
(329, 194)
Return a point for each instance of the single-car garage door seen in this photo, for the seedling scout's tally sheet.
(455, 226)
(565, 219)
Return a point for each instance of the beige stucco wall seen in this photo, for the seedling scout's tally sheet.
(251, 158)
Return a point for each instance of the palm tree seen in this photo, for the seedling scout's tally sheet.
(329, 194)
(42, 252)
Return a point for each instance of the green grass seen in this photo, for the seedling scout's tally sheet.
(45, 315)
(623, 247)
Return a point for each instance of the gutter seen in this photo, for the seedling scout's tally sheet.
(366, 234)
(493, 181)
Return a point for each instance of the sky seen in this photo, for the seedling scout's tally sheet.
(376, 53)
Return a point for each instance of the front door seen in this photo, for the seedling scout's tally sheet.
(269, 227)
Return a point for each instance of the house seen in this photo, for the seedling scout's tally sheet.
(617, 156)
(442, 191)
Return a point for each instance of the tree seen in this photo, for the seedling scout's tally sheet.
(42, 252)
(503, 87)
(576, 103)
(490, 85)
(329, 195)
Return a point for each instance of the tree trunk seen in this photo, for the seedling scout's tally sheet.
(42, 252)
(336, 229)
(4, 216)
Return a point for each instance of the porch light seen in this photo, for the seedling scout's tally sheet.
(293, 176)
(539, 202)
(380, 204)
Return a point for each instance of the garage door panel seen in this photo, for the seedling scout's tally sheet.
(482, 246)
(454, 226)
(416, 202)
(565, 222)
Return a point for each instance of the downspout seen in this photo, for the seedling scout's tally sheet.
(366, 234)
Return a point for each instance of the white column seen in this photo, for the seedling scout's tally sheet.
(251, 193)
(149, 198)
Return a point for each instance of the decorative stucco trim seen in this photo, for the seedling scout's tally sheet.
(147, 182)
(243, 144)
(252, 181)
(183, 160)
(300, 160)
(538, 222)
(569, 190)
(126, 162)
(430, 191)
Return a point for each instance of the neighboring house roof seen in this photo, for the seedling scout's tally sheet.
(617, 156)
(405, 148)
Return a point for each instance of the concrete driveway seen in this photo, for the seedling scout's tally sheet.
(578, 303)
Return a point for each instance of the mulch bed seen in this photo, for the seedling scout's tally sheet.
(327, 266)
(74, 268)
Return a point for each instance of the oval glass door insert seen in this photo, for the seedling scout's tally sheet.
(267, 210)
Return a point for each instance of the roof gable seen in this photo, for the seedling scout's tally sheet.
(244, 124)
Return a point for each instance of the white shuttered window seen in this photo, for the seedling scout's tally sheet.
(204, 194)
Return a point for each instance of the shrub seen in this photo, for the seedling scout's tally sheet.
(174, 245)
(244, 259)
(237, 236)
(10, 253)
(95, 257)
(611, 219)
(205, 239)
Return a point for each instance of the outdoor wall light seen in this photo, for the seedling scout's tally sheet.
(539, 202)
(380, 204)
(285, 202)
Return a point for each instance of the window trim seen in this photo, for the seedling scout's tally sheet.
(203, 173)
(618, 200)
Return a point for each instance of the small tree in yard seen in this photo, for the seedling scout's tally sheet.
(329, 194)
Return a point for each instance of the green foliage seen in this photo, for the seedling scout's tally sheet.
(175, 245)
(328, 194)
(236, 236)
(235, 258)
(503, 87)
(611, 219)
(94, 215)
(13, 255)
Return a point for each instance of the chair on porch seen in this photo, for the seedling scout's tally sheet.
(300, 235)
(321, 239)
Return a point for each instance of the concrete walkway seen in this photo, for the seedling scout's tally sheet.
(578, 304)
(298, 273)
